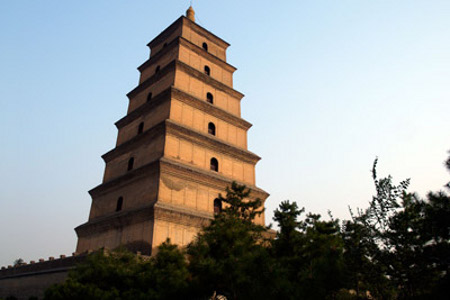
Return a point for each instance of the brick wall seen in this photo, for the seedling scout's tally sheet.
(33, 278)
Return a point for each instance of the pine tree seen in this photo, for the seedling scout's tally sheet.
(228, 258)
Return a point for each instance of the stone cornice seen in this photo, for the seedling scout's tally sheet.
(156, 210)
(209, 80)
(137, 141)
(209, 141)
(144, 108)
(205, 33)
(123, 180)
(202, 52)
(183, 215)
(149, 81)
(176, 64)
(205, 177)
(198, 50)
(154, 58)
(116, 220)
(198, 29)
(188, 99)
(165, 33)
(176, 168)
(174, 128)
(210, 109)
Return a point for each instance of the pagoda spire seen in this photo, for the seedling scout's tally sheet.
(190, 14)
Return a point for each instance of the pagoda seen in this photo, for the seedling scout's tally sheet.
(181, 143)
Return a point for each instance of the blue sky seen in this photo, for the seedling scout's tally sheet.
(329, 86)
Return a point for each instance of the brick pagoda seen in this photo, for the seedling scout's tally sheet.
(181, 143)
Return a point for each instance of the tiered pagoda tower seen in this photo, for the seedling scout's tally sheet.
(182, 142)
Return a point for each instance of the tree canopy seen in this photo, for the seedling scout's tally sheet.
(396, 248)
(123, 275)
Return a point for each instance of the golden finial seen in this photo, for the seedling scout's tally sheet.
(190, 14)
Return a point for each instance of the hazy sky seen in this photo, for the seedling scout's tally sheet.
(329, 86)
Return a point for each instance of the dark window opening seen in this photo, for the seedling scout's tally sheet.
(211, 128)
(165, 45)
(119, 204)
(141, 128)
(130, 163)
(207, 70)
(214, 165)
(209, 98)
(157, 69)
(149, 97)
(217, 206)
(205, 46)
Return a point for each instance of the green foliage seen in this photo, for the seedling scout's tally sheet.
(228, 257)
(288, 237)
(170, 273)
(397, 248)
(240, 207)
(18, 262)
(309, 253)
(360, 258)
(323, 248)
(123, 275)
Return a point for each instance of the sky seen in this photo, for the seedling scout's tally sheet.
(330, 85)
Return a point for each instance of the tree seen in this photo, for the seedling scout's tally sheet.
(308, 253)
(123, 275)
(228, 257)
(18, 262)
(169, 278)
(288, 237)
(436, 229)
(360, 258)
(397, 248)
(324, 274)
(400, 242)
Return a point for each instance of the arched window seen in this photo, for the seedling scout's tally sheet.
(130, 163)
(214, 165)
(211, 128)
(157, 69)
(165, 45)
(149, 97)
(210, 98)
(119, 204)
(207, 70)
(217, 206)
(141, 128)
(205, 46)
